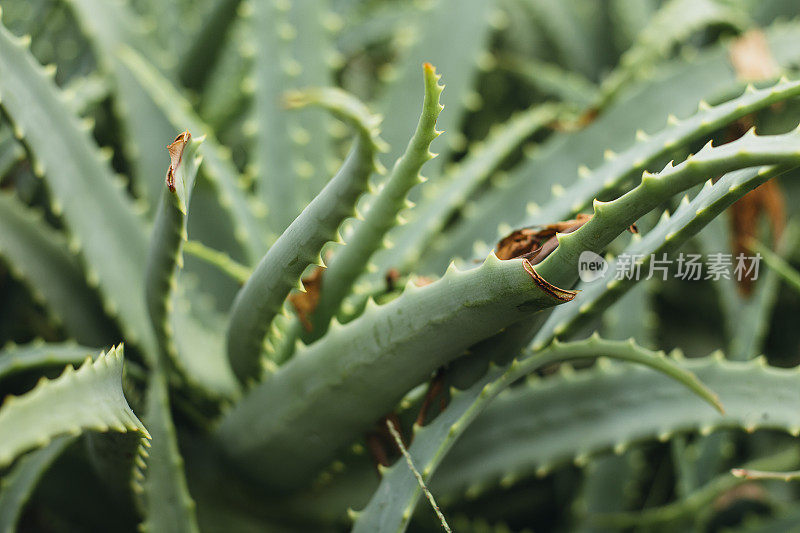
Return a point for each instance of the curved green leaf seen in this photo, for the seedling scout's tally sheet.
(332, 390)
(393, 503)
(89, 398)
(261, 299)
(15, 359)
(670, 233)
(383, 213)
(158, 477)
(566, 422)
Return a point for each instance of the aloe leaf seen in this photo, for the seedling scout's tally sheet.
(670, 233)
(158, 477)
(261, 299)
(677, 89)
(192, 348)
(101, 219)
(393, 503)
(39, 255)
(446, 22)
(15, 359)
(89, 398)
(217, 163)
(383, 212)
(359, 371)
(169, 232)
(19, 483)
(290, 148)
(629, 414)
(444, 197)
(607, 223)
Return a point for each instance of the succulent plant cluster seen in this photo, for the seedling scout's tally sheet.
(277, 324)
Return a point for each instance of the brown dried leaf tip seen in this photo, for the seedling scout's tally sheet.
(559, 294)
(306, 302)
(537, 242)
(175, 150)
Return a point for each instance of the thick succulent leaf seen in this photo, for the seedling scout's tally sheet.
(19, 483)
(383, 212)
(332, 390)
(261, 299)
(290, 149)
(217, 163)
(179, 334)
(158, 476)
(444, 197)
(101, 219)
(677, 89)
(39, 255)
(393, 503)
(89, 398)
(669, 234)
(448, 21)
(158, 473)
(37, 355)
(611, 218)
(643, 405)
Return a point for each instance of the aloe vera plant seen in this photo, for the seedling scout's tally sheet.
(333, 265)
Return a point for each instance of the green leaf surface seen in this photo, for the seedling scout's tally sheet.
(542, 179)
(103, 224)
(260, 301)
(89, 398)
(15, 359)
(39, 255)
(158, 475)
(393, 503)
(334, 389)
(383, 212)
(444, 22)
